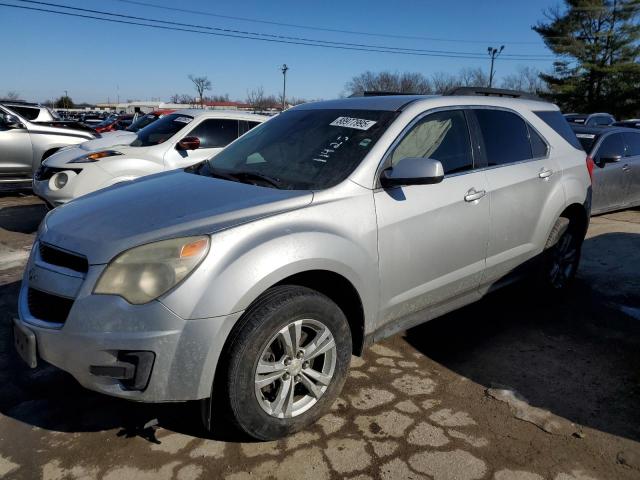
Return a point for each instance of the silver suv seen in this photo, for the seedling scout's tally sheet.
(249, 280)
(28, 135)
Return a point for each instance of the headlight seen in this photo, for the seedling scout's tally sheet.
(94, 157)
(60, 179)
(144, 273)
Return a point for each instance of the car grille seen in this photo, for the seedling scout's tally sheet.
(55, 256)
(48, 307)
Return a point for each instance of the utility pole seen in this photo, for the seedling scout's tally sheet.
(66, 100)
(284, 69)
(493, 53)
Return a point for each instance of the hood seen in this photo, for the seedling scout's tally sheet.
(173, 204)
(118, 141)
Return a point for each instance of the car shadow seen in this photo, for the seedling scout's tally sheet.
(577, 357)
(22, 218)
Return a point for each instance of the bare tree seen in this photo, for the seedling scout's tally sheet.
(175, 98)
(406, 82)
(443, 82)
(259, 101)
(201, 84)
(526, 79)
(473, 77)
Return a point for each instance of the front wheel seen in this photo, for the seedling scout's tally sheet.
(286, 362)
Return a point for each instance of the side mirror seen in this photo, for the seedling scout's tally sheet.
(608, 158)
(413, 171)
(12, 121)
(188, 143)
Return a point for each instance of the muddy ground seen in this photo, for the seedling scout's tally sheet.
(517, 386)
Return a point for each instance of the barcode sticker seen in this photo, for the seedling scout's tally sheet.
(357, 123)
(183, 119)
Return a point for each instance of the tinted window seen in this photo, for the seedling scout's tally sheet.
(611, 145)
(601, 120)
(161, 130)
(555, 120)
(26, 112)
(633, 144)
(216, 132)
(245, 126)
(443, 136)
(587, 140)
(538, 146)
(505, 135)
(304, 149)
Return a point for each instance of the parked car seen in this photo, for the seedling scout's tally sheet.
(591, 120)
(616, 177)
(24, 143)
(177, 140)
(91, 119)
(147, 119)
(254, 276)
(34, 112)
(113, 123)
(631, 123)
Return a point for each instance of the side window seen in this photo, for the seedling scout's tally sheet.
(560, 125)
(442, 136)
(633, 144)
(539, 147)
(216, 132)
(611, 145)
(505, 135)
(26, 112)
(245, 126)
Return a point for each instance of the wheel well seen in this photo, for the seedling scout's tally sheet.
(342, 292)
(48, 153)
(577, 216)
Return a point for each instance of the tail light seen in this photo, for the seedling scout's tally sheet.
(590, 166)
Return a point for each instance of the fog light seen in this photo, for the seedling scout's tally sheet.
(60, 180)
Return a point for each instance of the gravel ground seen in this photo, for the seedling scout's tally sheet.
(513, 387)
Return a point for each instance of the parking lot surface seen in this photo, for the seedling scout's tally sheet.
(517, 386)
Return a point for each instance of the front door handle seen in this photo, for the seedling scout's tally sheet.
(473, 195)
(544, 173)
(626, 167)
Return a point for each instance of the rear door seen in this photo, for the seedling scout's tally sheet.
(523, 181)
(632, 161)
(214, 135)
(610, 180)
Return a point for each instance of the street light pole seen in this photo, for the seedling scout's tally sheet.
(493, 53)
(66, 100)
(284, 69)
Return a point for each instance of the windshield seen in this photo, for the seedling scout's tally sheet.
(302, 149)
(161, 130)
(587, 140)
(142, 122)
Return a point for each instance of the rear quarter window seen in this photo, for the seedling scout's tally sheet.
(26, 112)
(555, 120)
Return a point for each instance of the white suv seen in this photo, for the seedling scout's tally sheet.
(178, 140)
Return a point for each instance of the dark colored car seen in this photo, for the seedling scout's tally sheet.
(120, 122)
(633, 123)
(590, 120)
(616, 176)
(149, 118)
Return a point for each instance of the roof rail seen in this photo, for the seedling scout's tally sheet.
(18, 102)
(492, 92)
(380, 93)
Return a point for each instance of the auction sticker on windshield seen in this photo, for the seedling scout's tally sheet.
(183, 119)
(357, 123)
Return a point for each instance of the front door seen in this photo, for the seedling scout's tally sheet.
(432, 239)
(632, 169)
(610, 180)
(16, 152)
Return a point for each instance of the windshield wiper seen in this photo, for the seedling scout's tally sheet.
(273, 181)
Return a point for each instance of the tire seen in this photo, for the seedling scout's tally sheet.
(295, 386)
(561, 256)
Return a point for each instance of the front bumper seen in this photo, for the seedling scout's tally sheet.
(81, 180)
(100, 328)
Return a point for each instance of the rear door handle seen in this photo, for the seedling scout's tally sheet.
(626, 167)
(545, 173)
(473, 195)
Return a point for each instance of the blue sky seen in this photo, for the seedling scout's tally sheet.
(96, 61)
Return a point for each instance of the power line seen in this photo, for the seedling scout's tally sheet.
(249, 37)
(321, 29)
(266, 35)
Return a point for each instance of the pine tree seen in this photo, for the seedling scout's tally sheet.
(598, 47)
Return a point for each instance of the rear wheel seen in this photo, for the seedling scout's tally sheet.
(562, 255)
(286, 362)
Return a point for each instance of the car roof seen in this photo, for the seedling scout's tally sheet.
(606, 129)
(231, 114)
(399, 102)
